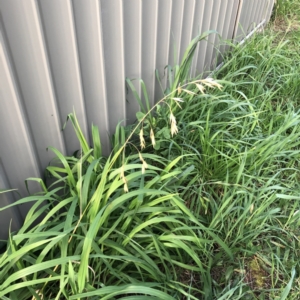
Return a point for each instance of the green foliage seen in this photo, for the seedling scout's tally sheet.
(212, 213)
(241, 149)
(94, 239)
(285, 8)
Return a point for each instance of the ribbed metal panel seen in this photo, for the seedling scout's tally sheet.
(252, 13)
(63, 55)
(10, 219)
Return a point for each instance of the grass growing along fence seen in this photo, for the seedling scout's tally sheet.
(211, 212)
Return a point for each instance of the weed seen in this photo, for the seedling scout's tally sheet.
(198, 200)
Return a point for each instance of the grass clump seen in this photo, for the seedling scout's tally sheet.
(286, 21)
(287, 9)
(198, 200)
(111, 227)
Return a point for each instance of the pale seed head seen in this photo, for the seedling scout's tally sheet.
(144, 165)
(126, 187)
(174, 129)
(142, 140)
(201, 88)
(122, 175)
(212, 83)
(152, 137)
(179, 90)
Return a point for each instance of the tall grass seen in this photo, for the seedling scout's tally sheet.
(198, 200)
(112, 227)
(285, 8)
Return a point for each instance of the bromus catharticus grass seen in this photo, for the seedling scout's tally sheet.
(198, 200)
(110, 227)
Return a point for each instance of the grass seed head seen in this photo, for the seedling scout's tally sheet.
(122, 175)
(174, 129)
(142, 140)
(179, 89)
(152, 137)
(126, 186)
(200, 87)
(145, 165)
(210, 82)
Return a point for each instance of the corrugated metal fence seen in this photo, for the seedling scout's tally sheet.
(60, 55)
